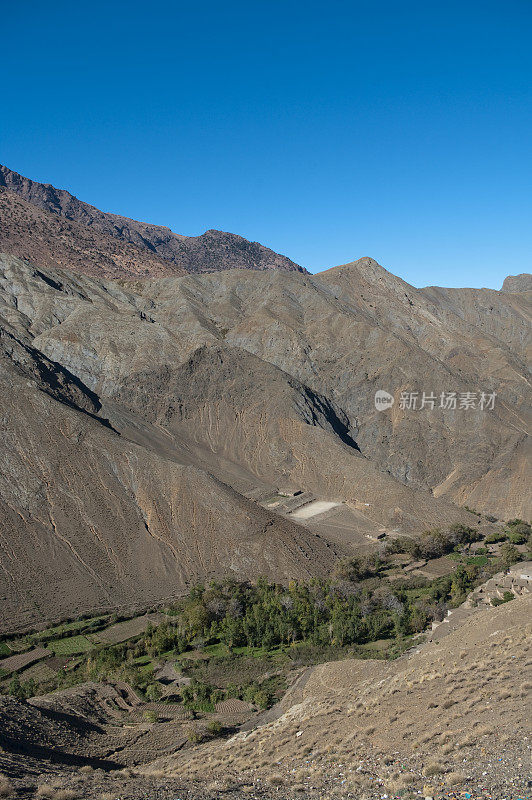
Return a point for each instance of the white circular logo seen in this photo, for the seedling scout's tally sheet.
(383, 400)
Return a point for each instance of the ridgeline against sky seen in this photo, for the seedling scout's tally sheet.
(400, 131)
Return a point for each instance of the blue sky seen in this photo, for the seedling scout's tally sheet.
(327, 131)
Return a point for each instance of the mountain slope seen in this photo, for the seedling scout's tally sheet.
(90, 520)
(518, 283)
(353, 330)
(49, 240)
(165, 362)
(337, 336)
(167, 252)
(153, 409)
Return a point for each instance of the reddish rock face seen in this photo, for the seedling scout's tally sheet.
(110, 246)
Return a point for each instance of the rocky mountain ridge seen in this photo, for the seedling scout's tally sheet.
(159, 249)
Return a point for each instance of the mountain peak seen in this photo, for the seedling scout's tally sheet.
(517, 283)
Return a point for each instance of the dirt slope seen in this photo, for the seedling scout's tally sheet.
(90, 520)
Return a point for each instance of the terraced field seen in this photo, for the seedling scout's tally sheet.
(122, 631)
(40, 673)
(70, 646)
(21, 660)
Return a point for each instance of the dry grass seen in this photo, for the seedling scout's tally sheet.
(455, 778)
(46, 790)
(400, 782)
(51, 792)
(433, 768)
(6, 789)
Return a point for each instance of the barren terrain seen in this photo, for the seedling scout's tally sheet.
(224, 572)
(159, 416)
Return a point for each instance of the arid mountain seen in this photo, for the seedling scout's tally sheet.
(518, 283)
(163, 427)
(129, 464)
(353, 330)
(90, 520)
(50, 240)
(87, 246)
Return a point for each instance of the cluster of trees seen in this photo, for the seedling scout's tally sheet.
(340, 612)
(21, 690)
(202, 696)
(268, 615)
(516, 532)
(434, 543)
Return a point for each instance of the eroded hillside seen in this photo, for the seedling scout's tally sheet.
(150, 425)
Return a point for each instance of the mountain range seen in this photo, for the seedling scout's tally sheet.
(177, 408)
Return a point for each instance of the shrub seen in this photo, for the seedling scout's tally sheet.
(433, 769)
(48, 791)
(154, 691)
(261, 699)
(455, 778)
(195, 736)
(517, 538)
(495, 537)
(215, 728)
(498, 601)
(472, 511)
(358, 568)
(520, 524)
(6, 789)
(21, 690)
(509, 555)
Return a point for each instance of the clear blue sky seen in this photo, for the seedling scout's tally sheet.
(328, 131)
